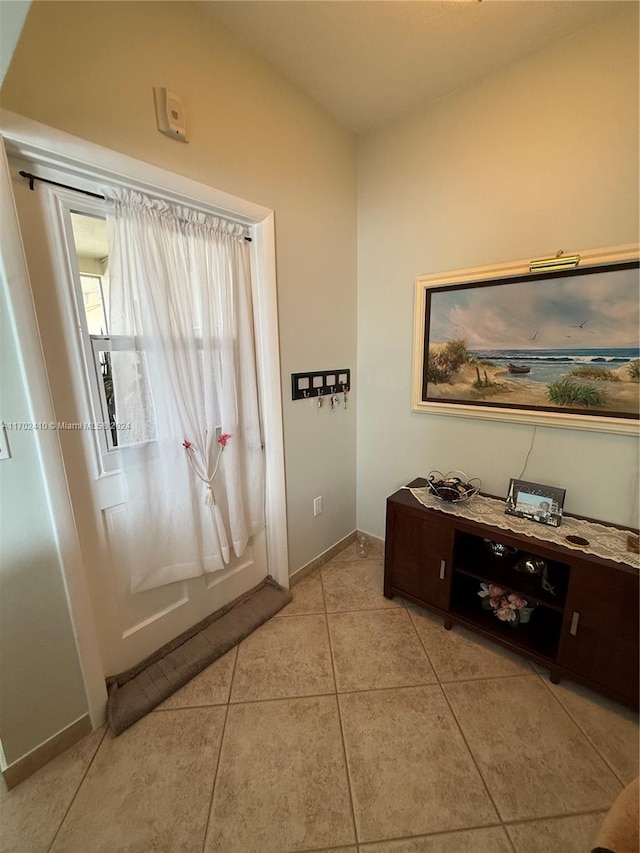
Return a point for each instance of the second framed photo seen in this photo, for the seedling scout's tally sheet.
(536, 502)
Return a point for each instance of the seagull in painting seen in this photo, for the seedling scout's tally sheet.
(581, 325)
(534, 337)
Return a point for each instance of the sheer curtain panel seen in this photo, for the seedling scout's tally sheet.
(184, 382)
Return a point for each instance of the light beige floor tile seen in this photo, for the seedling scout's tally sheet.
(573, 834)
(284, 658)
(488, 840)
(282, 781)
(31, 813)
(349, 554)
(355, 586)
(535, 760)
(307, 597)
(211, 687)
(149, 789)
(410, 771)
(336, 850)
(377, 648)
(611, 728)
(459, 655)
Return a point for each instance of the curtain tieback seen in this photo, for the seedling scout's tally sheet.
(207, 480)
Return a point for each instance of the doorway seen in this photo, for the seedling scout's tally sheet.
(69, 281)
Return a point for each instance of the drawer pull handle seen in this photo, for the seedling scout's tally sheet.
(573, 630)
(443, 569)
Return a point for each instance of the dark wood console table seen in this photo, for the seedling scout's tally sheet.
(586, 631)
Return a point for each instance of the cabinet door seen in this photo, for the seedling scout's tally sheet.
(623, 668)
(418, 560)
(622, 672)
(600, 630)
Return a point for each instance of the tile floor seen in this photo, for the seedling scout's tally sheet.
(347, 723)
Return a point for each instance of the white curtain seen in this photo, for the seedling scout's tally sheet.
(184, 378)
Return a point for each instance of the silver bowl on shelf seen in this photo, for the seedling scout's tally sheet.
(453, 487)
(499, 549)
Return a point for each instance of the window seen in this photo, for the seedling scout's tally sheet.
(102, 348)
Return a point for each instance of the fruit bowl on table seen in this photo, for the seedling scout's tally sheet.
(454, 487)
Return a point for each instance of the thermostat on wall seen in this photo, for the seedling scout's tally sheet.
(170, 114)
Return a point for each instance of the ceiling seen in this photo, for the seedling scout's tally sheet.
(369, 61)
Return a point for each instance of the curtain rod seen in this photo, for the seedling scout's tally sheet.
(32, 178)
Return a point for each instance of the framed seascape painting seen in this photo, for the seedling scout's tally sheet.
(554, 341)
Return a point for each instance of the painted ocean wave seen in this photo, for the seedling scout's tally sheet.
(576, 359)
(553, 364)
(582, 356)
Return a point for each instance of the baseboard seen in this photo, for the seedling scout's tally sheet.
(330, 553)
(323, 558)
(41, 755)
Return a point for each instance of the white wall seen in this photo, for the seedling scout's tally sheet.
(540, 157)
(254, 135)
(41, 687)
(12, 18)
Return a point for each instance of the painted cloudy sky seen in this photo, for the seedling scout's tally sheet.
(508, 316)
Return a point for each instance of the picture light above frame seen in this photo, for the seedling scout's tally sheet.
(553, 342)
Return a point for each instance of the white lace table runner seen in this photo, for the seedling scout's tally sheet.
(606, 542)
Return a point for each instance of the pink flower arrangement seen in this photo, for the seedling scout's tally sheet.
(505, 605)
(224, 438)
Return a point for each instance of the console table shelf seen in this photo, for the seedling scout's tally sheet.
(587, 629)
(540, 636)
(500, 570)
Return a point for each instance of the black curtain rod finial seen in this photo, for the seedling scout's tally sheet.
(31, 179)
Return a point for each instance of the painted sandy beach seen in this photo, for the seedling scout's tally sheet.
(568, 343)
(616, 383)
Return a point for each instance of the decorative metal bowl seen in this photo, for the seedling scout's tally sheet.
(498, 549)
(453, 487)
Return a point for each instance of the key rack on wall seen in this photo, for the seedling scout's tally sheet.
(319, 383)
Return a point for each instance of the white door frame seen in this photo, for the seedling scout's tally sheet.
(87, 162)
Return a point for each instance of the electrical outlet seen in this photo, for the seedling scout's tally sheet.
(317, 506)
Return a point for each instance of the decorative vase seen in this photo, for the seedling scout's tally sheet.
(362, 546)
(525, 614)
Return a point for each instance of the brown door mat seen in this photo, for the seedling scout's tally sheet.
(134, 693)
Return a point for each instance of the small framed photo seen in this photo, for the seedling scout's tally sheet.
(535, 502)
